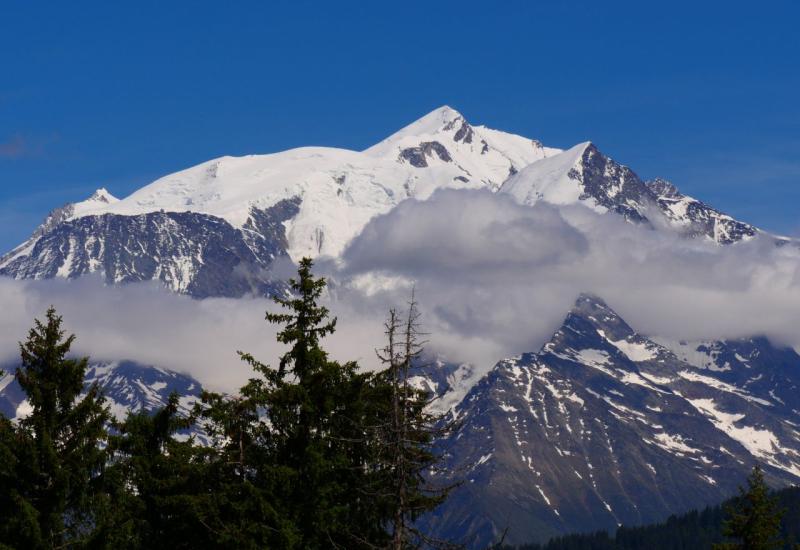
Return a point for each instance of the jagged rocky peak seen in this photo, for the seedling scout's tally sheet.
(663, 188)
(592, 324)
(604, 426)
(583, 174)
(594, 311)
(102, 195)
(694, 218)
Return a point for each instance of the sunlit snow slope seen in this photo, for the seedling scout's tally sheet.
(218, 228)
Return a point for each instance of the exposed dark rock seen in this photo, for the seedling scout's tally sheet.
(192, 253)
(697, 219)
(417, 156)
(614, 186)
(604, 426)
(464, 133)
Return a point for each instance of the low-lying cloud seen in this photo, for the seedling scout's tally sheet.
(493, 278)
(148, 324)
(496, 278)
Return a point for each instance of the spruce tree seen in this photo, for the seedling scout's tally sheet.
(754, 518)
(317, 411)
(247, 488)
(155, 482)
(54, 454)
(293, 448)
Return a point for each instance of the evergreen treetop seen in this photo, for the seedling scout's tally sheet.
(753, 519)
(56, 449)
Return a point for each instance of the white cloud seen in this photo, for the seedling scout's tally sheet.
(494, 279)
(145, 323)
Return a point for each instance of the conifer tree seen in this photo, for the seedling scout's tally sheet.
(54, 453)
(409, 436)
(316, 409)
(754, 518)
(247, 488)
(293, 445)
(155, 482)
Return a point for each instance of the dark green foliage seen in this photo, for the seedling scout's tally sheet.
(694, 530)
(245, 487)
(753, 519)
(155, 484)
(51, 460)
(295, 456)
(314, 454)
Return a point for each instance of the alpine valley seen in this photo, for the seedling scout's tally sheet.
(601, 426)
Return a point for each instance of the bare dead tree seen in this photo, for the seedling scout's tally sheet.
(410, 433)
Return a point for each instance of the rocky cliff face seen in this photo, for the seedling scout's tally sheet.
(604, 426)
(191, 253)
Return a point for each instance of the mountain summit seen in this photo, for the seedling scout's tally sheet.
(217, 228)
(604, 426)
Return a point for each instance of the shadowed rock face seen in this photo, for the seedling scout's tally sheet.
(604, 426)
(615, 186)
(464, 133)
(418, 156)
(696, 217)
(191, 253)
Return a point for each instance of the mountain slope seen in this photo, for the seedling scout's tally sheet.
(584, 174)
(695, 218)
(604, 426)
(127, 386)
(216, 229)
(192, 253)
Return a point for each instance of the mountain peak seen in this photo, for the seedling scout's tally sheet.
(102, 195)
(587, 301)
(663, 188)
(445, 119)
(590, 311)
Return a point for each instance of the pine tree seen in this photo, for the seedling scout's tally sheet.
(54, 454)
(317, 410)
(754, 518)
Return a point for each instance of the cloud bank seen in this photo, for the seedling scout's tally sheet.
(150, 325)
(494, 279)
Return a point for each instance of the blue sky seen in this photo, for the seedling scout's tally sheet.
(116, 94)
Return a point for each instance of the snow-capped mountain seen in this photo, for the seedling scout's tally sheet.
(604, 426)
(584, 174)
(127, 386)
(218, 228)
